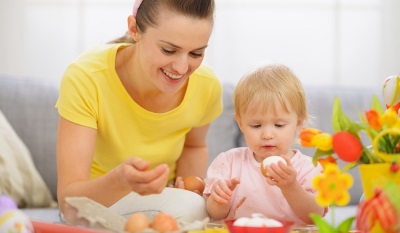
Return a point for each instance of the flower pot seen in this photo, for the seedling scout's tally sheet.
(376, 176)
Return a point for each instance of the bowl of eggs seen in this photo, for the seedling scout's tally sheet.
(258, 223)
(152, 221)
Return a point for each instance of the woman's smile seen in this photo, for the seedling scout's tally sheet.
(171, 75)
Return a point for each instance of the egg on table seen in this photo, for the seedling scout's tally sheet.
(11, 218)
(137, 222)
(163, 222)
(274, 159)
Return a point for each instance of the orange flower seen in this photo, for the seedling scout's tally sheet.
(325, 161)
(373, 119)
(306, 135)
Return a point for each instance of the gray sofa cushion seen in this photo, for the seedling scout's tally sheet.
(29, 107)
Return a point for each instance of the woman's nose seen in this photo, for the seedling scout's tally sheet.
(181, 65)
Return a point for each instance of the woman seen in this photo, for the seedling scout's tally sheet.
(134, 116)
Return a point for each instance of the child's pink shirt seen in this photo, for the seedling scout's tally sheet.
(254, 194)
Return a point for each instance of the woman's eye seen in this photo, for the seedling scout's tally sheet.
(167, 52)
(196, 54)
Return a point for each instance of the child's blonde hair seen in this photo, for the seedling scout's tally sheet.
(269, 85)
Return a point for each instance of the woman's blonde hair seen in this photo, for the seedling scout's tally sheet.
(269, 85)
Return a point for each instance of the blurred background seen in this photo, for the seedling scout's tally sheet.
(339, 42)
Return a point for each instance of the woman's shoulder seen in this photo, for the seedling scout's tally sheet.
(206, 73)
(98, 57)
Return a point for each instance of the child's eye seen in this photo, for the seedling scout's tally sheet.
(279, 125)
(255, 126)
(167, 52)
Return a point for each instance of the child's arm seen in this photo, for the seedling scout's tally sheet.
(218, 203)
(302, 202)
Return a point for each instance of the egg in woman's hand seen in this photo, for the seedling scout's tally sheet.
(137, 222)
(274, 159)
(193, 183)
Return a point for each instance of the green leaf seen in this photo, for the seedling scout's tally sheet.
(321, 224)
(340, 122)
(377, 105)
(345, 226)
(349, 166)
(320, 153)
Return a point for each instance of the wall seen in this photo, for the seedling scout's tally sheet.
(343, 42)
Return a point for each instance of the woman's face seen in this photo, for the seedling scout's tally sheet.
(170, 52)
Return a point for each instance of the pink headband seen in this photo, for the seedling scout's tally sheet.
(136, 7)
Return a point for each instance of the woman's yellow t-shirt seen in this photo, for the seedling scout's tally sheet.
(92, 95)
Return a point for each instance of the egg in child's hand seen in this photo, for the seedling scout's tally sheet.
(137, 222)
(274, 159)
(163, 222)
(193, 183)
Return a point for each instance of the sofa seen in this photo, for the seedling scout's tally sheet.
(28, 105)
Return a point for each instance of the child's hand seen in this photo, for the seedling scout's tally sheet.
(282, 175)
(222, 190)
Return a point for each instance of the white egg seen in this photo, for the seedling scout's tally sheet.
(241, 222)
(390, 90)
(269, 222)
(270, 160)
(255, 222)
(15, 221)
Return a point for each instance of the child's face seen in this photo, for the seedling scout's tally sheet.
(269, 132)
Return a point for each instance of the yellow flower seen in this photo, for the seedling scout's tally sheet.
(332, 186)
(322, 141)
(389, 118)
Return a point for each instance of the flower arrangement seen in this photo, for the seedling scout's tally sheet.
(380, 211)
(381, 126)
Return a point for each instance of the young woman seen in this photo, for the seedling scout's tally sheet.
(270, 108)
(134, 116)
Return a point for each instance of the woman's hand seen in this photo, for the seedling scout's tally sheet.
(135, 174)
(221, 191)
(178, 183)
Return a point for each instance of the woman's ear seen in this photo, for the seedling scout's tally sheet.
(133, 29)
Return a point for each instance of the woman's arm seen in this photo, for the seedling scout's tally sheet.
(194, 158)
(75, 151)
